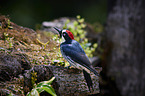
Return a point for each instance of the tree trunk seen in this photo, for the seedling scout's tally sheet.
(125, 34)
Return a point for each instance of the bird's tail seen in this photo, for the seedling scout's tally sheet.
(88, 80)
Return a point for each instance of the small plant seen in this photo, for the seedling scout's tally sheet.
(33, 77)
(9, 24)
(44, 44)
(41, 87)
(8, 39)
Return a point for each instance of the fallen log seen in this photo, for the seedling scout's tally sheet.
(68, 82)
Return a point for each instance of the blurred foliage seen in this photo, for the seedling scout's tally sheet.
(41, 87)
(99, 28)
(78, 30)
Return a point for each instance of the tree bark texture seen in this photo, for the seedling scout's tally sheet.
(125, 32)
(68, 82)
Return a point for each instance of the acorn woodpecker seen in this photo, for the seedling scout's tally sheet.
(75, 55)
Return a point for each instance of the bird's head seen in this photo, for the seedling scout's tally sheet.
(65, 33)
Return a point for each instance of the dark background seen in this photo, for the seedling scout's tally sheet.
(28, 13)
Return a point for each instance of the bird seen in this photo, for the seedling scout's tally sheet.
(72, 52)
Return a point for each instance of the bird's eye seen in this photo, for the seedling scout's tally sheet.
(64, 34)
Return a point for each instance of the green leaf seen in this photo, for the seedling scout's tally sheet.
(39, 90)
(75, 23)
(50, 81)
(11, 94)
(88, 44)
(49, 86)
(78, 16)
(28, 94)
(34, 92)
(40, 84)
(45, 82)
(95, 45)
(49, 90)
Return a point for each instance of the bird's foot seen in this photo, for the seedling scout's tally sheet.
(69, 67)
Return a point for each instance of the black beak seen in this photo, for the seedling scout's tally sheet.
(59, 30)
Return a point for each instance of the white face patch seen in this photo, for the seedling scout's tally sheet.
(62, 36)
(63, 31)
(62, 39)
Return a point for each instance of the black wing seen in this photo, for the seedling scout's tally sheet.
(76, 53)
